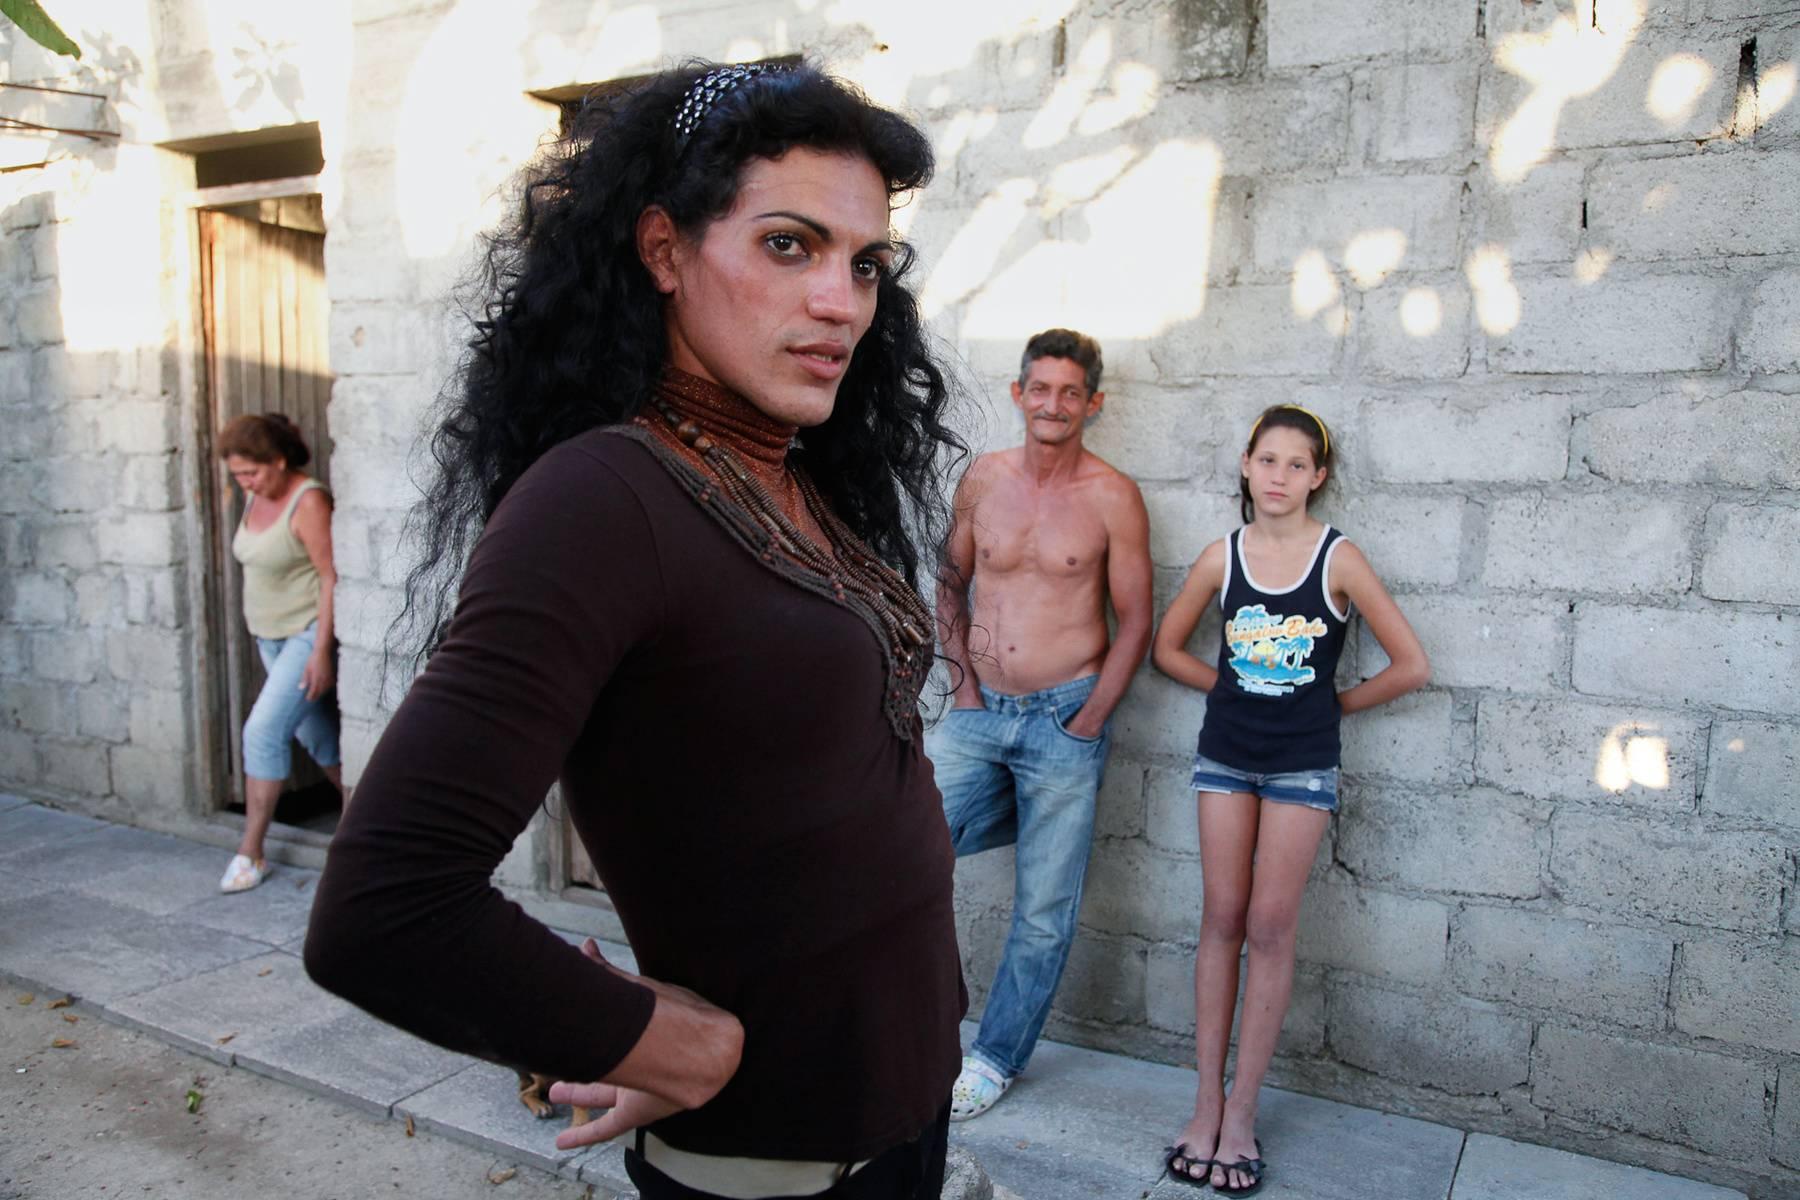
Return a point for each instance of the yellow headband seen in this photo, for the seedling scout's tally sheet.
(1324, 433)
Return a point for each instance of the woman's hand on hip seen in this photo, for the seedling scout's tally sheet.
(689, 1051)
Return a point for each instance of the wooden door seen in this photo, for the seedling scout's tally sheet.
(263, 313)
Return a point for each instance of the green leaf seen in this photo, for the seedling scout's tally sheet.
(30, 17)
(193, 1100)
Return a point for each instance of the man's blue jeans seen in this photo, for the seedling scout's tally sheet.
(1010, 772)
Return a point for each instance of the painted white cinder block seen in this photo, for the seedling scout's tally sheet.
(1718, 656)
(1534, 218)
(1738, 991)
(1471, 842)
(1670, 437)
(1416, 111)
(1701, 206)
(1508, 643)
(1252, 330)
(1275, 125)
(1668, 873)
(1412, 739)
(1751, 766)
(1513, 955)
(1411, 540)
(1627, 753)
(1369, 1025)
(1413, 328)
(1575, 86)
(1305, 33)
(1490, 435)
(1367, 227)
(1601, 543)
(141, 539)
(1376, 933)
(1770, 341)
(1750, 554)
(1567, 326)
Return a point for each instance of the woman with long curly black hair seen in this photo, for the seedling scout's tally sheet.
(699, 449)
(573, 332)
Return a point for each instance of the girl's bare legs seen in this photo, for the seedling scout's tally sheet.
(1227, 845)
(1287, 841)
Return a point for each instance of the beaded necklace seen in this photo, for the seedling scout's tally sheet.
(701, 437)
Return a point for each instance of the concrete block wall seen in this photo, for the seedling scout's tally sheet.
(96, 625)
(1525, 256)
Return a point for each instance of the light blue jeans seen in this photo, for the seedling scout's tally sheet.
(1011, 773)
(282, 712)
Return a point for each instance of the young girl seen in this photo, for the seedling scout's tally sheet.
(1267, 769)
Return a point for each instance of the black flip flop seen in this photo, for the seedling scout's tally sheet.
(1179, 1151)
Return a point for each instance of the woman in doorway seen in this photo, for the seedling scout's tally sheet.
(700, 437)
(284, 544)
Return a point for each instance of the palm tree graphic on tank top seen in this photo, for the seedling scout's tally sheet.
(1269, 651)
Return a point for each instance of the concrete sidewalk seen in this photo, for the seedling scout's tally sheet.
(131, 924)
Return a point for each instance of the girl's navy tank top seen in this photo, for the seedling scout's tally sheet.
(1275, 707)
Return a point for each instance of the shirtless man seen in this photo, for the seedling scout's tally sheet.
(1045, 533)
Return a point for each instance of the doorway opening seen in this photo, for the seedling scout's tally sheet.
(264, 316)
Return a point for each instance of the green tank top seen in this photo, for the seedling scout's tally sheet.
(281, 586)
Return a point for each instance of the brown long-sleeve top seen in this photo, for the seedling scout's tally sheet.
(767, 839)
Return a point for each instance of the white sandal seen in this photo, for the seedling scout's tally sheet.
(976, 1090)
(244, 873)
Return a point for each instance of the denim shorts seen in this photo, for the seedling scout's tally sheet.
(1314, 789)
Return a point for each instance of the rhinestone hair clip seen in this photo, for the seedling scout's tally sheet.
(707, 90)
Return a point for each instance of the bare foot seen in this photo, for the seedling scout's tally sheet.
(1194, 1147)
(1237, 1142)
